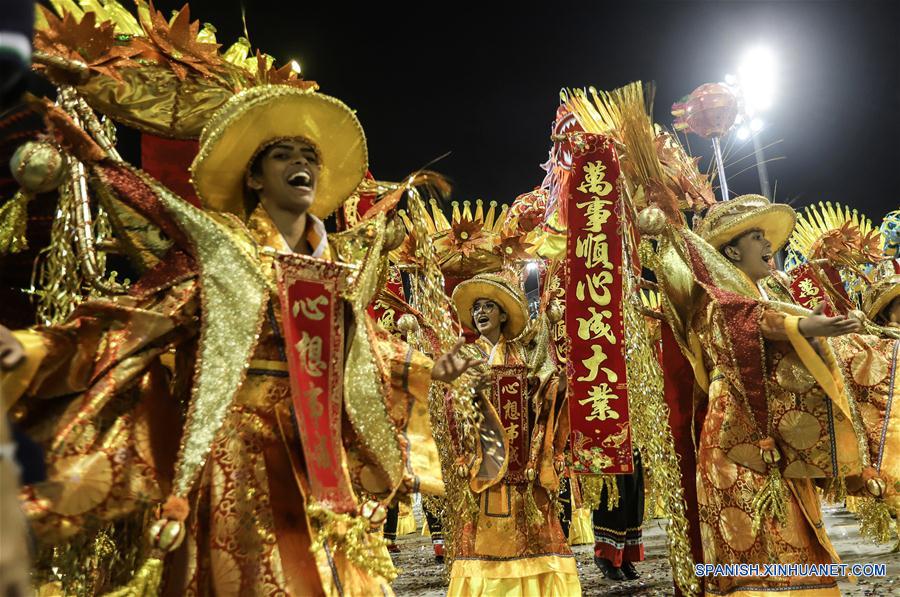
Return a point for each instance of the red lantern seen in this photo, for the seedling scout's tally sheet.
(710, 110)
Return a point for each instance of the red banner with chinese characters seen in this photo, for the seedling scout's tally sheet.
(509, 395)
(808, 290)
(313, 319)
(598, 396)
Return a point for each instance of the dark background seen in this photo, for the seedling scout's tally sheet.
(482, 81)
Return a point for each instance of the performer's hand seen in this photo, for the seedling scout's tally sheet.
(818, 325)
(451, 365)
(11, 352)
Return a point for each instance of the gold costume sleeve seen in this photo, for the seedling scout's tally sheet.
(107, 411)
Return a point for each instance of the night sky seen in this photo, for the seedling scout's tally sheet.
(448, 77)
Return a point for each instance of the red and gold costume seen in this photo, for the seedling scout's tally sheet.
(175, 408)
(777, 419)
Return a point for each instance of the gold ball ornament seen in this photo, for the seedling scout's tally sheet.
(462, 471)
(771, 456)
(555, 311)
(530, 474)
(375, 512)
(38, 167)
(876, 487)
(408, 323)
(166, 534)
(394, 234)
(651, 221)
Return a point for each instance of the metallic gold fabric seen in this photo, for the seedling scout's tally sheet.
(113, 435)
(233, 299)
(813, 437)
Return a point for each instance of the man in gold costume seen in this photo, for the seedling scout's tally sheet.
(515, 544)
(182, 393)
(777, 416)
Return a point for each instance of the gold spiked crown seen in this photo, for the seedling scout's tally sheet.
(836, 233)
(471, 242)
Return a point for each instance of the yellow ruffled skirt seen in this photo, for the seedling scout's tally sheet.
(547, 576)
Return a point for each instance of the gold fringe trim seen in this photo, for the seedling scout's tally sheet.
(146, 580)
(649, 415)
(874, 519)
(13, 220)
(771, 500)
(592, 491)
(350, 534)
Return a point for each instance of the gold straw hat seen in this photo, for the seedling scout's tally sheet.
(258, 116)
(730, 219)
(879, 295)
(499, 289)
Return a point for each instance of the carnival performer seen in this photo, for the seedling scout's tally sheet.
(777, 415)
(617, 523)
(515, 545)
(258, 425)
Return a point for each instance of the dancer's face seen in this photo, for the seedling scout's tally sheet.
(285, 176)
(751, 253)
(488, 316)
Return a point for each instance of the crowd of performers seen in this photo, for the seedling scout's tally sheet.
(301, 348)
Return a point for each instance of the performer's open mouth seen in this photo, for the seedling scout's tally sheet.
(482, 320)
(301, 179)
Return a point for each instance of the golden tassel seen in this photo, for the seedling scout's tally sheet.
(13, 220)
(771, 500)
(146, 580)
(533, 515)
(351, 535)
(874, 519)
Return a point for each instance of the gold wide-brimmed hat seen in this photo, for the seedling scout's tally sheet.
(730, 219)
(499, 289)
(879, 295)
(256, 117)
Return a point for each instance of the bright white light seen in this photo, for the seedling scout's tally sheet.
(731, 79)
(757, 75)
(532, 267)
(743, 133)
(756, 125)
(295, 66)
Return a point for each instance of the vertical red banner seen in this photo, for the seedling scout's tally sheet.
(806, 288)
(313, 319)
(598, 394)
(509, 397)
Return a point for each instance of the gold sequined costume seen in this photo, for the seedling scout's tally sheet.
(181, 388)
(515, 544)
